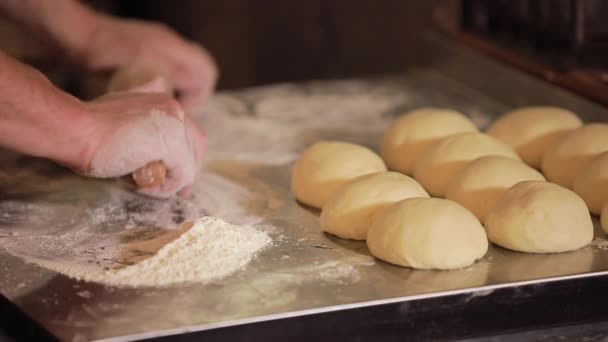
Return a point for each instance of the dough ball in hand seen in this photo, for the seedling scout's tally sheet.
(605, 219)
(531, 130)
(414, 132)
(568, 156)
(540, 217)
(436, 169)
(485, 180)
(427, 233)
(349, 211)
(325, 166)
(592, 183)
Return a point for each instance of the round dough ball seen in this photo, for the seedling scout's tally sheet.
(427, 233)
(436, 169)
(540, 217)
(531, 130)
(348, 213)
(565, 159)
(485, 180)
(592, 183)
(604, 219)
(414, 132)
(325, 166)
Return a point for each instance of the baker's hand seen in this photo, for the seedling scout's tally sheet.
(133, 130)
(186, 65)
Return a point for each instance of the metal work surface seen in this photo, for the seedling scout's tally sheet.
(50, 216)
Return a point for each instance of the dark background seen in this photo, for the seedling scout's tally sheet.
(266, 41)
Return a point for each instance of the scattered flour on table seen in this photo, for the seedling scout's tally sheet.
(210, 250)
(600, 243)
(274, 123)
(341, 274)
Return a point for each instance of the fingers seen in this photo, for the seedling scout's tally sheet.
(185, 192)
(156, 85)
(196, 137)
(153, 174)
(181, 159)
(194, 75)
(169, 189)
(179, 182)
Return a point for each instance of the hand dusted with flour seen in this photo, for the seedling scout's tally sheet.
(129, 141)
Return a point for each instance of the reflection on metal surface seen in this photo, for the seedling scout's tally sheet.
(48, 214)
(542, 265)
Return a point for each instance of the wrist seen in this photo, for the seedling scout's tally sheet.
(38, 119)
(75, 146)
(65, 128)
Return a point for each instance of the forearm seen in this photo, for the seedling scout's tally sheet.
(65, 25)
(38, 119)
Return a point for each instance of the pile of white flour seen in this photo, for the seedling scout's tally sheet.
(210, 250)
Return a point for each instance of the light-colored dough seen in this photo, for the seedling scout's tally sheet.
(540, 217)
(325, 166)
(436, 169)
(592, 183)
(485, 180)
(568, 156)
(531, 130)
(414, 132)
(348, 213)
(427, 233)
(604, 219)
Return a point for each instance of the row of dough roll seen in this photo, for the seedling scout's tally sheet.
(485, 178)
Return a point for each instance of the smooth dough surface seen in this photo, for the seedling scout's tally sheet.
(414, 132)
(325, 166)
(436, 169)
(349, 212)
(531, 130)
(485, 180)
(427, 233)
(604, 219)
(540, 217)
(592, 183)
(568, 156)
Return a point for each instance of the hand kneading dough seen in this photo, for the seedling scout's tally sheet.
(427, 233)
(348, 213)
(485, 180)
(414, 132)
(568, 156)
(530, 130)
(604, 218)
(592, 183)
(540, 217)
(326, 165)
(436, 169)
